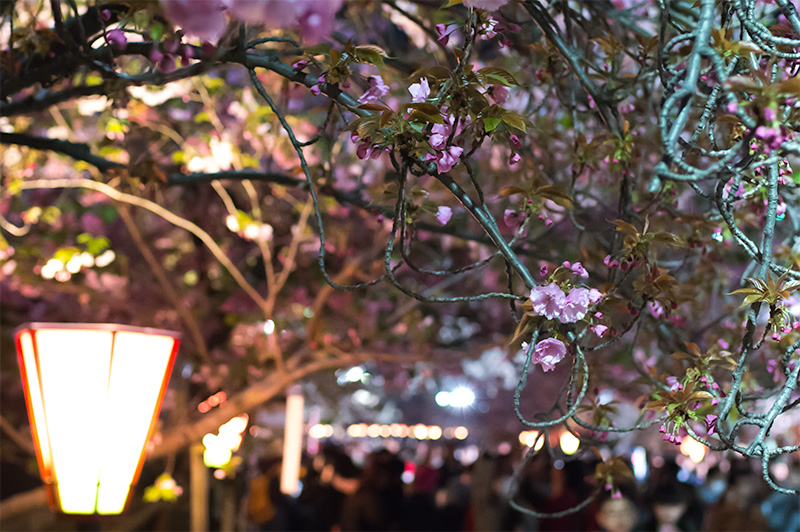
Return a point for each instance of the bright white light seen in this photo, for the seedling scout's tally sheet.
(232, 223)
(87, 259)
(420, 432)
(105, 258)
(399, 430)
(569, 443)
(639, 463)
(74, 264)
(693, 449)
(443, 399)
(317, 431)
(462, 397)
(365, 398)
(216, 453)
(269, 327)
(354, 374)
(531, 438)
(292, 442)
(357, 431)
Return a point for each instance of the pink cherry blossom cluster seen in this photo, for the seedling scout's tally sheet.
(206, 20)
(377, 90)
(445, 156)
(163, 55)
(366, 149)
(551, 302)
(771, 134)
(513, 219)
(675, 434)
(547, 353)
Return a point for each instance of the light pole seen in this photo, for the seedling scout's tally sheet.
(93, 393)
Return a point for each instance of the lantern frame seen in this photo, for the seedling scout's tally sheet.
(36, 406)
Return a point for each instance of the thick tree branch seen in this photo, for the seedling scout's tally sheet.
(79, 152)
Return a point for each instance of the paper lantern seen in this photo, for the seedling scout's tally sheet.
(93, 393)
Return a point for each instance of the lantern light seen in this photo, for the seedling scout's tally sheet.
(569, 443)
(292, 442)
(93, 393)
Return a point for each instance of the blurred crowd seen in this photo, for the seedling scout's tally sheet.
(436, 491)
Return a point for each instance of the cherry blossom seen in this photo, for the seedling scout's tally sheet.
(116, 38)
(316, 20)
(711, 424)
(443, 214)
(548, 353)
(367, 150)
(444, 32)
(445, 160)
(499, 94)
(420, 91)
(548, 300)
(577, 269)
(200, 18)
(513, 219)
(377, 90)
(440, 133)
(576, 304)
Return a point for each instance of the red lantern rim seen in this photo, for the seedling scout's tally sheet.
(112, 327)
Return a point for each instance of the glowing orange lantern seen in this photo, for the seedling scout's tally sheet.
(93, 393)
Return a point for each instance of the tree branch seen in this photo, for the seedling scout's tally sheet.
(166, 284)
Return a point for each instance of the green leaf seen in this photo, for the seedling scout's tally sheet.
(373, 107)
(372, 48)
(370, 56)
(498, 80)
(511, 190)
(499, 73)
(490, 123)
(65, 253)
(157, 31)
(515, 120)
(386, 116)
(427, 108)
(419, 116)
(318, 49)
(98, 245)
(625, 227)
(749, 300)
